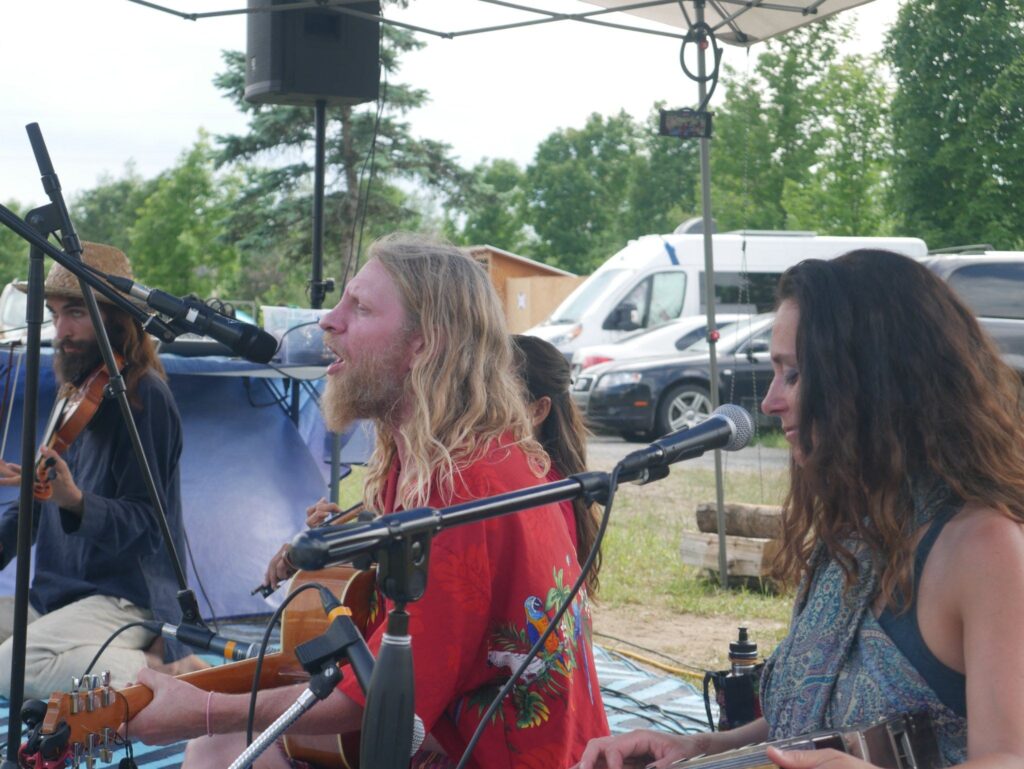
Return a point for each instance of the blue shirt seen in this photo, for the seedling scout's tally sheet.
(115, 546)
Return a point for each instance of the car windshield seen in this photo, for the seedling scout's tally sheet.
(14, 309)
(731, 335)
(588, 294)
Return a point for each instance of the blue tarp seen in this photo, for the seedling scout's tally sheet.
(247, 471)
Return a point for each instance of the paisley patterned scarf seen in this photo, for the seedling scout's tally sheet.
(837, 668)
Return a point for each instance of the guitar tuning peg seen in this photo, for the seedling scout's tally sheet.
(105, 678)
(33, 712)
(76, 683)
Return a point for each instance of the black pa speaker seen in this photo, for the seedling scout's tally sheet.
(300, 57)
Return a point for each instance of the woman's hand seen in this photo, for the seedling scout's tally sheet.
(810, 759)
(641, 748)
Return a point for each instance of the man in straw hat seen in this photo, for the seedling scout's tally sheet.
(101, 562)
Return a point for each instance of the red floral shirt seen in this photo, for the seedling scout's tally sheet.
(492, 588)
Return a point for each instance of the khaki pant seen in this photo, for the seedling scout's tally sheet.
(62, 643)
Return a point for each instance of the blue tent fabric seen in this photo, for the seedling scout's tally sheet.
(247, 472)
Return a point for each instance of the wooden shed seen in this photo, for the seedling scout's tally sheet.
(528, 290)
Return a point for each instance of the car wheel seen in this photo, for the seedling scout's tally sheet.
(683, 406)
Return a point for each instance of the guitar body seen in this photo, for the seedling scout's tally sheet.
(90, 718)
(358, 591)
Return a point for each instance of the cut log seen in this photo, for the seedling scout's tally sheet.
(742, 520)
(745, 556)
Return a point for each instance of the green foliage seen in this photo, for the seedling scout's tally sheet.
(955, 117)
(13, 249)
(176, 240)
(107, 212)
(275, 158)
(845, 190)
(771, 131)
(575, 191)
(492, 201)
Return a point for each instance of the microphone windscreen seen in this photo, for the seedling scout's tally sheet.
(260, 347)
(742, 422)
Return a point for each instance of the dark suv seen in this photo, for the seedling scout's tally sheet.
(992, 285)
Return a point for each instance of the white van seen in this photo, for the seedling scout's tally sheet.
(657, 278)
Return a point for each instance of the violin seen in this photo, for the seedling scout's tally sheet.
(74, 409)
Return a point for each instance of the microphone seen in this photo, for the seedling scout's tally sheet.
(391, 731)
(729, 427)
(199, 637)
(396, 669)
(244, 339)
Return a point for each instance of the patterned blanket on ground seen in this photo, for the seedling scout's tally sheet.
(634, 698)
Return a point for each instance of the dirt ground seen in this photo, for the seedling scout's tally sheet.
(695, 643)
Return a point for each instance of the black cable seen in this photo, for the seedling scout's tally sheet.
(107, 643)
(199, 579)
(274, 619)
(677, 727)
(363, 200)
(485, 720)
(699, 33)
(678, 663)
(373, 165)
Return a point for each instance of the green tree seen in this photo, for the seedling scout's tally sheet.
(13, 249)
(665, 187)
(770, 128)
(954, 62)
(177, 240)
(492, 202)
(107, 212)
(368, 152)
(845, 191)
(577, 191)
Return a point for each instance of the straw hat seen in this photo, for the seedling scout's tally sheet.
(61, 282)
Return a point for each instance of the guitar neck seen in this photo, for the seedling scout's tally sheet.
(902, 742)
(235, 678)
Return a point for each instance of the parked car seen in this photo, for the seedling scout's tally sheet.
(667, 339)
(646, 398)
(13, 305)
(992, 285)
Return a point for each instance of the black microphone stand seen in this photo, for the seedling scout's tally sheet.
(43, 221)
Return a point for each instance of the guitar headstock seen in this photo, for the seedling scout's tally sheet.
(81, 724)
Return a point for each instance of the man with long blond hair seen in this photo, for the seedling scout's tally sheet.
(422, 350)
(101, 561)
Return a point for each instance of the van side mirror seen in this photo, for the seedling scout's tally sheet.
(622, 318)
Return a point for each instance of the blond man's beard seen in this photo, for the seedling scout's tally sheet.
(368, 390)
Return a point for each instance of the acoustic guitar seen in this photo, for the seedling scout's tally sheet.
(81, 724)
(901, 742)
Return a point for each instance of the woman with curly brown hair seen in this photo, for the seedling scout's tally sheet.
(903, 522)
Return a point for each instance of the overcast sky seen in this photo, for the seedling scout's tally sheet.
(110, 81)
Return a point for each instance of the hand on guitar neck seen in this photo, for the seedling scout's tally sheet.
(647, 748)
